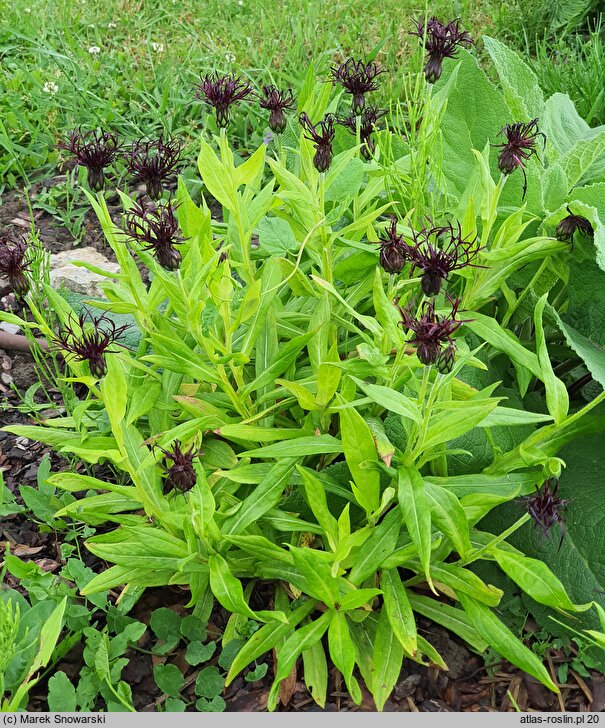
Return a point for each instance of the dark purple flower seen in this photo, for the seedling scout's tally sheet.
(154, 163)
(94, 150)
(568, 226)
(276, 102)
(392, 249)
(440, 41)
(520, 145)
(545, 507)
(438, 251)
(181, 474)
(432, 332)
(322, 136)
(368, 120)
(357, 78)
(221, 92)
(90, 343)
(157, 229)
(14, 263)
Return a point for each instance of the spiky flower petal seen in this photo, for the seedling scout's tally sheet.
(221, 92)
(89, 342)
(181, 474)
(156, 228)
(546, 507)
(322, 136)
(94, 150)
(440, 41)
(14, 263)
(357, 78)
(432, 331)
(437, 251)
(520, 145)
(392, 249)
(276, 102)
(568, 226)
(154, 163)
(367, 124)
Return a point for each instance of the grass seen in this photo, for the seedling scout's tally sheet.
(150, 56)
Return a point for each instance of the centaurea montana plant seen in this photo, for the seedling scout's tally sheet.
(358, 78)
(519, 147)
(440, 41)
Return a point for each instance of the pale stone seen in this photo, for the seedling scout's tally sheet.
(63, 274)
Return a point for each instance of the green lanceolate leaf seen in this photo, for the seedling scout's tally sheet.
(557, 398)
(316, 497)
(266, 638)
(414, 505)
(230, 592)
(360, 454)
(386, 661)
(536, 580)
(342, 652)
(449, 517)
(315, 667)
(449, 617)
(382, 541)
(501, 639)
(299, 447)
(399, 610)
(265, 497)
(301, 640)
(391, 400)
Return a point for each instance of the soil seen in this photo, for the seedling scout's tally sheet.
(469, 685)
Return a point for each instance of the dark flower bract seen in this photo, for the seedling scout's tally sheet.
(181, 474)
(568, 226)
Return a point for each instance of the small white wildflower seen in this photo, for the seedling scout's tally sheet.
(94, 50)
(157, 47)
(240, 3)
(111, 26)
(91, 25)
(230, 57)
(27, 10)
(50, 87)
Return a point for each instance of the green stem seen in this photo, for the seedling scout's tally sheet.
(494, 542)
(524, 292)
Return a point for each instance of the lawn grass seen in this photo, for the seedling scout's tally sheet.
(150, 55)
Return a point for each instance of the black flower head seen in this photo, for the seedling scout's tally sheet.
(546, 508)
(520, 145)
(392, 249)
(94, 150)
(432, 332)
(154, 163)
(368, 120)
(438, 251)
(276, 102)
(89, 343)
(322, 136)
(440, 41)
(357, 78)
(568, 226)
(14, 263)
(181, 474)
(157, 229)
(221, 92)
